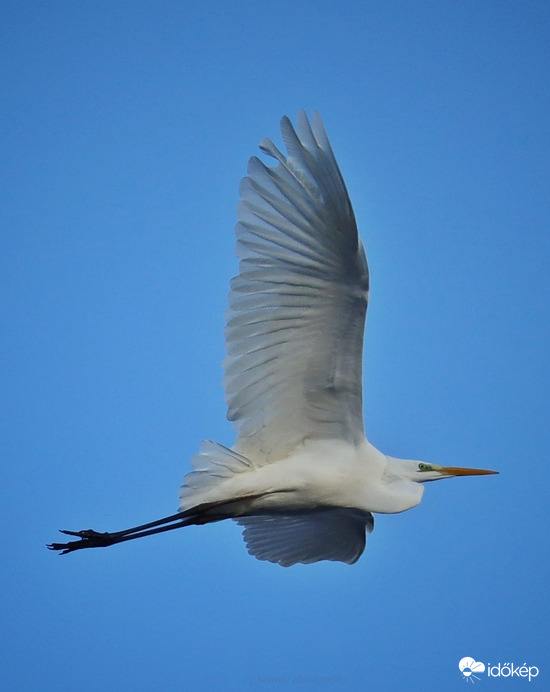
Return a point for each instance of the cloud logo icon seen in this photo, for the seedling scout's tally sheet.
(469, 667)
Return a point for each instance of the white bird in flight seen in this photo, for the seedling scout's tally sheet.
(301, 478)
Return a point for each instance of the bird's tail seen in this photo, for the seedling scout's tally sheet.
(213, 465)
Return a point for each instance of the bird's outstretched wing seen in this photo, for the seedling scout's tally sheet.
(334, 533)
(296, 315)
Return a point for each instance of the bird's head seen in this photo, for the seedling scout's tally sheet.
(423, 472)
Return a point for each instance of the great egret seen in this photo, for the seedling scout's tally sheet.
(301, 479)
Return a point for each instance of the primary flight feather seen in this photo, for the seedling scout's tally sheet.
(301, 478)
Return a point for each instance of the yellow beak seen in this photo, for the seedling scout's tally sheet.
(457, 471)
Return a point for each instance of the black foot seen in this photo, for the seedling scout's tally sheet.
(87, 539)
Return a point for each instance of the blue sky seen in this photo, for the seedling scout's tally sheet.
(126, 128)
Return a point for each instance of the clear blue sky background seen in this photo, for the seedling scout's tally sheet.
(126, 127)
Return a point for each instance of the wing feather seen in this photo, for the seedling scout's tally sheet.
(304, 537)
(296, 315)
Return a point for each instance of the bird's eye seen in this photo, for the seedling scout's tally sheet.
(423, 467)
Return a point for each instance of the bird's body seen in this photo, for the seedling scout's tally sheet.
(316, 474)
(302, 478)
